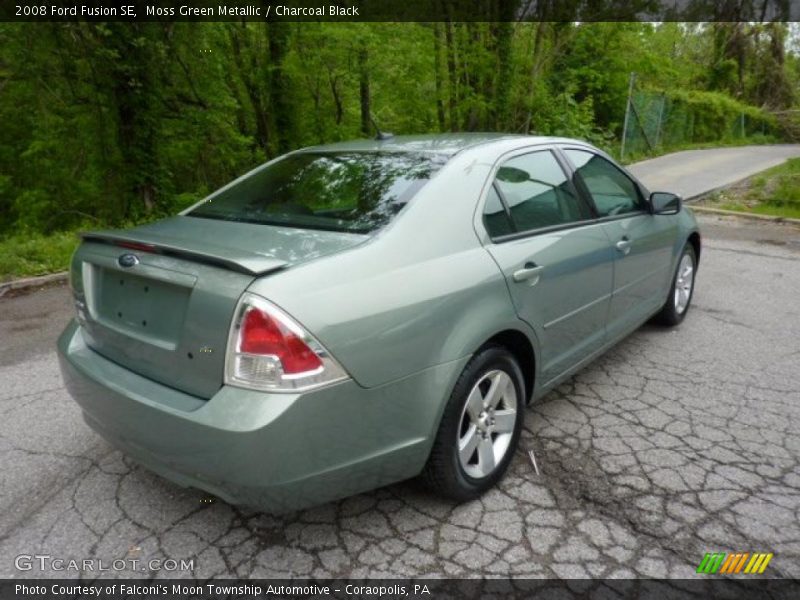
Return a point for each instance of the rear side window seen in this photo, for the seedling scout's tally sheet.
(537, 193)
(355, 192)
(613, 192)
(495, 218)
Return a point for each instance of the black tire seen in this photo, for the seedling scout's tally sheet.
(444, 473)
(670, 315)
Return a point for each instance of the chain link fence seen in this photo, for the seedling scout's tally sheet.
(659, 120)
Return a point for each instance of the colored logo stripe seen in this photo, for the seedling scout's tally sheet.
(711, 562)
(724, 563)
(734, 562)
(758, 563)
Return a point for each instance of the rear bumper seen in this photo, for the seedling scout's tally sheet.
(277, 452)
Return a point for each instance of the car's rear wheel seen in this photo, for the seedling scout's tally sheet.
(480, 427)
(680, 294)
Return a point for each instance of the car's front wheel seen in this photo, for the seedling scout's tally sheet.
(480, 427)
(680, 294)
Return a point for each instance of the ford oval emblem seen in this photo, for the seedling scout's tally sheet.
(128, 260)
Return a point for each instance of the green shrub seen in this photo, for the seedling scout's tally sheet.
(785, 185)
(712, 116)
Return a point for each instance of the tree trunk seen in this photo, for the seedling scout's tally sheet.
(337, 97)
(279, 88)
(263, 134)
(504, 72)
(136, 89)
(452, 76)
(437, 66)
(536, 67)
(363, 90)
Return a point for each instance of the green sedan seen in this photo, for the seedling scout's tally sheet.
(355, 314)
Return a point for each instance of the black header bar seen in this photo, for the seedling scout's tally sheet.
(399, 10)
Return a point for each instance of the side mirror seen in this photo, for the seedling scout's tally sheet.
(665, 203)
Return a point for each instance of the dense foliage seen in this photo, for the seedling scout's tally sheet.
(120, 122)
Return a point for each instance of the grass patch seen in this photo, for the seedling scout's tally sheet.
(31, 255)
(775, 191)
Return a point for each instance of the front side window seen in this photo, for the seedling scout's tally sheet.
(537, 193)
(355, 192)
(613, 192)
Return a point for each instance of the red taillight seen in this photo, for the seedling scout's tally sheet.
(269, 351)
(261, 334)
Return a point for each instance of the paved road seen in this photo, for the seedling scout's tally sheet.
(694, 172)
(675, 443)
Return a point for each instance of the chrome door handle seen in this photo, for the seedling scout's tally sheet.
(530, 273)
(624, 246)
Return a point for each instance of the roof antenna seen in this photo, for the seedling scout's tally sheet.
(380, 135)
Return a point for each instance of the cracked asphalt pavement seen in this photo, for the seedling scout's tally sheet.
(675, 443)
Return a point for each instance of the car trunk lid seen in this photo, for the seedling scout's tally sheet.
(167, 315)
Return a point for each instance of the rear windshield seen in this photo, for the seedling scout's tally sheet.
(356, 192)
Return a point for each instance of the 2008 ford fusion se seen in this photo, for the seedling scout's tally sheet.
(355, 314)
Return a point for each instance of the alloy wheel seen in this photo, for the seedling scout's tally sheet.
(684, 281)
(487, 424)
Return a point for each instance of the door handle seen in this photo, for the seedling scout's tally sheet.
(530, 273)
(624, 246)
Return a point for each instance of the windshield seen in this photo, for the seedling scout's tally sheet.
(355, 192)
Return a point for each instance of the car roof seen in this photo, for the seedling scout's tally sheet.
(443, 144)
